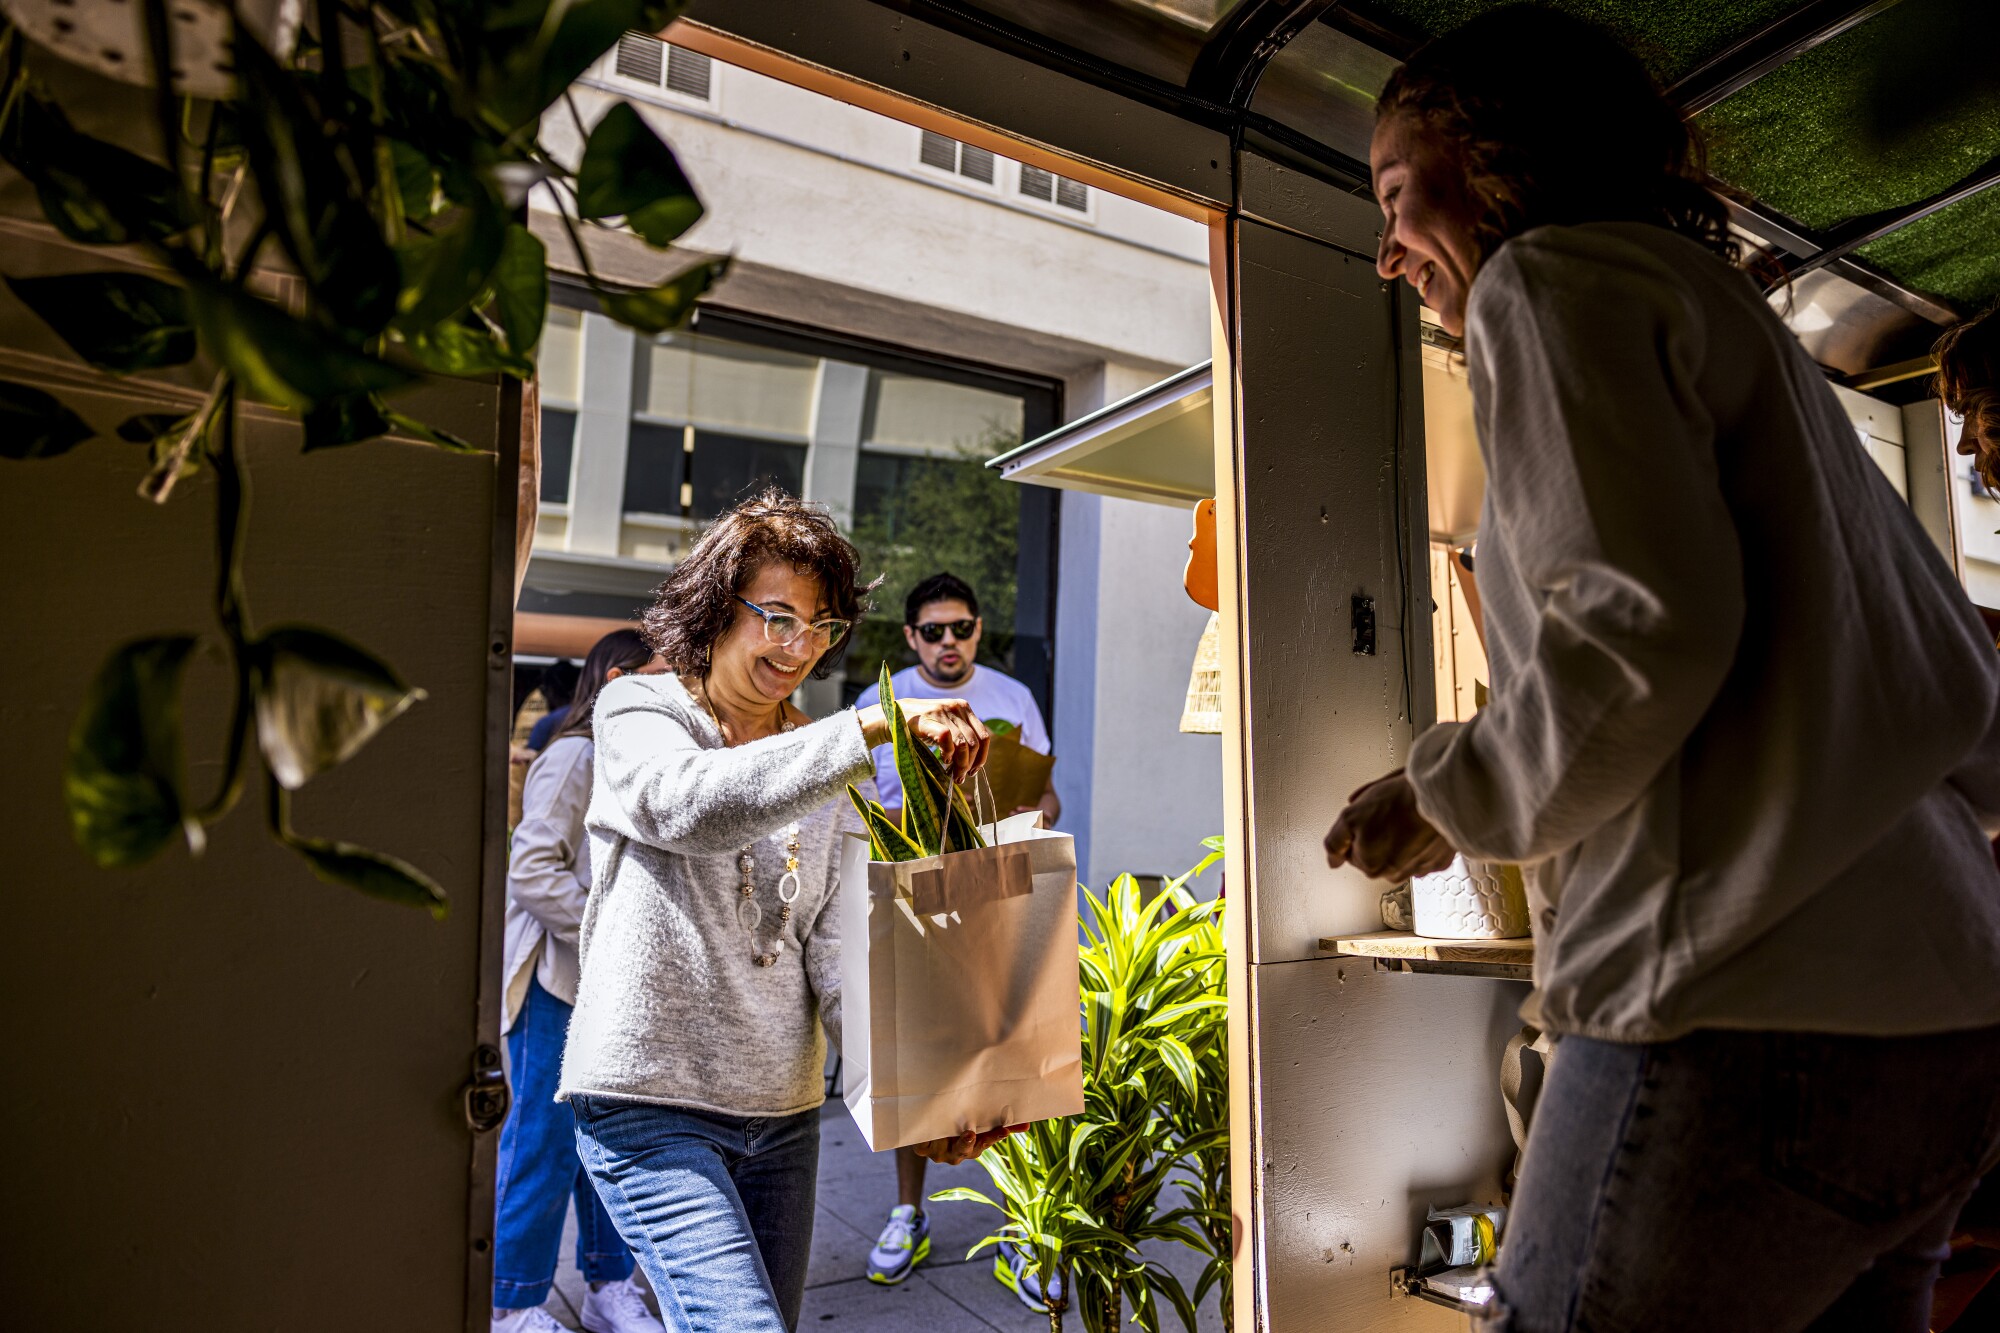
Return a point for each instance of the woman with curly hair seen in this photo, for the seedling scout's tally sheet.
(1968, 380)
(710, 946)
(1740, 733)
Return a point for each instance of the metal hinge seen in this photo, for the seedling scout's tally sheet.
(486, 1094)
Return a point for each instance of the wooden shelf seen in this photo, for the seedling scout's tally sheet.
(1401, 951)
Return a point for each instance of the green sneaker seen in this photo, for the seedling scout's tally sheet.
(903, 1244)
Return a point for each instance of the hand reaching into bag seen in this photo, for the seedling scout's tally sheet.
(950, 1152)
(949, 724)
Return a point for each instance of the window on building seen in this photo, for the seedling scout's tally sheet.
(716, 420)
(558, 379)
(1053, 189)
(960, 158)
(647, 59)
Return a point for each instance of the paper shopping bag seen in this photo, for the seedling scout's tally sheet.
(1015, 776)
(959, 987)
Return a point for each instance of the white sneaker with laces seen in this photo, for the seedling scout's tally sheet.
(618, 1307)
(534, 1319)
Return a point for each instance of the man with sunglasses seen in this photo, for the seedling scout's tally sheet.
(941, 623)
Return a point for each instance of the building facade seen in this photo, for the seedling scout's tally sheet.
(898, 305)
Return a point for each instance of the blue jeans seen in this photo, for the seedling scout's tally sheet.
(718, 1208)
(1767, 1182)
(539, 1173)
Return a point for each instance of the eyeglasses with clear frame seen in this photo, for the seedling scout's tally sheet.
(782, 628)
(934, 631)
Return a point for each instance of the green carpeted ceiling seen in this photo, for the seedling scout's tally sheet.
(1951, 253)
(1671, 36)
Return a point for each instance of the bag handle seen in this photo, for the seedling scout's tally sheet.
(1529, 1040)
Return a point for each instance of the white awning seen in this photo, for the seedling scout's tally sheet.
(1159, 445)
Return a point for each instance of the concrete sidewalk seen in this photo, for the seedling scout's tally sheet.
(946, 1294)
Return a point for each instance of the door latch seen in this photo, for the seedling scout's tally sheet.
(486, 1095)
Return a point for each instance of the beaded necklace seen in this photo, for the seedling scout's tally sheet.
(749, 914)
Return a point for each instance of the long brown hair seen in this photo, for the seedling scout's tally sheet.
(1555, 123)
(624, 649)
(698, 603)
(1968, 380)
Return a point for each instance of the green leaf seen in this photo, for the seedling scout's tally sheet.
(442, 273)
(312, 195)
(416, 181)
(521, 289)
(1000, 726)
(278, 359)
(886, 842)
(667, 306)
(379, 876)
(121, 322)
(443, 439)
(348, 419)
(1175, 1012)
(319, 699)
(920, 812)
(123, 779)
(92, 191)
(33, 424)
(1179, 1061)
(628, 171)
(458, 348)
(530, 62)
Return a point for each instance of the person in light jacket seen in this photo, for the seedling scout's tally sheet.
(548, 881)
(710, 945)
(1740, 733)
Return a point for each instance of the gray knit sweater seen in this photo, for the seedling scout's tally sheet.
(671, 1006)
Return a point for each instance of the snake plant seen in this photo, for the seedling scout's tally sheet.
(935, 818)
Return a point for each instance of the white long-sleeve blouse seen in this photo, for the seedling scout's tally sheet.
(1741, 712)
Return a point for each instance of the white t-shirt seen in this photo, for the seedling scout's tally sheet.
(992, 694)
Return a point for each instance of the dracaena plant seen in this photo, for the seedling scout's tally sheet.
(935, 818)
(383, 153)
(1082, 1193)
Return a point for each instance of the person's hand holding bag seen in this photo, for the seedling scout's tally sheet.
(965, 1147)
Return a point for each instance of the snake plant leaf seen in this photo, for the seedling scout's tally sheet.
(386, 877)
(521, 289)
(34, 424)
(318, 700)
(886, 842)
(443, 272)
(311, 196)
(667, 306)
(278, 359)
(920, 811)
(628, 171)
(959, 831)
(92, 191)
(122, 781)
(120, 322)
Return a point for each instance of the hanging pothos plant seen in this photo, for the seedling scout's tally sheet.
(384, 149)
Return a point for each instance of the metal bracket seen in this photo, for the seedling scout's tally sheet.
(486, 1096)
(1404, 1281)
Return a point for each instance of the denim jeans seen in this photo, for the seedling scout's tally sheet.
(539, 1173)
(718, 1209)
(1765, 1182)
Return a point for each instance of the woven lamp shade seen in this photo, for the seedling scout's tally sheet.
(1202, 713)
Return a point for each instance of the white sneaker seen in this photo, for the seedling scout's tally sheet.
(534, 1319)
(618, 1307)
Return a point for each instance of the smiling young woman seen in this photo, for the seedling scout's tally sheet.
(710, 945)
(1741, 730)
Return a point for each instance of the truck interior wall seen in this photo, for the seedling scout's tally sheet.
(234, 1099)
(1360, 1099)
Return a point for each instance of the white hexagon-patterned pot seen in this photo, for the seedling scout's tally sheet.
(1472, 900)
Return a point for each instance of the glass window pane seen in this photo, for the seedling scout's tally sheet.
(1156, 37)
(728, 468)
(729, 386)
(654, 469)
(931, 416)
(556, 363)
(558, 451)
(1324, 84)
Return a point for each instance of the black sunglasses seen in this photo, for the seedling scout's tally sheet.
(934, 632)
